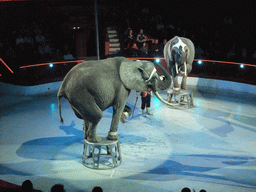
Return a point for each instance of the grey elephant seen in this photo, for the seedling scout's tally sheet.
(93, 86)
(179, 53)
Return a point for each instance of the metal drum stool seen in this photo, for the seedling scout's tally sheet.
(185, 98)
(103, 155)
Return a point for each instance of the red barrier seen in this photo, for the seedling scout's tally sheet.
(6, 65)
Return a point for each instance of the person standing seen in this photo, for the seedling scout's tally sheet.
(145, 102)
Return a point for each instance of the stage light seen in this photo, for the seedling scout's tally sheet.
(51, 65)
(157, 60)
(199, 62)
(241, 66)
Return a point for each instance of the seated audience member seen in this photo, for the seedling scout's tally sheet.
(162, 46)
(134, 46)
(129, 39)
(144, 48)
(141, 38)
(27, 186)
(58, 188)
(185, 189)
(156, 49)
(97, 189)
(199, 53)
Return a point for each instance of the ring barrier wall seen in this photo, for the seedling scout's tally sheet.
(48, 88)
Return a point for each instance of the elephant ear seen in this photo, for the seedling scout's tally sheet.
(131, 75)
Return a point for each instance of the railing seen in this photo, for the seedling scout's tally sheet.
(55, 71)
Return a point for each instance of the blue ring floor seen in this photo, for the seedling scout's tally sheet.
(210, 146)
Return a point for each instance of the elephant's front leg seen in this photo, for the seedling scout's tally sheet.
(86, 128)
(184, 82)
(118, 108)
(176, 87)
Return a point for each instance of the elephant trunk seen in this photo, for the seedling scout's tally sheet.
(162, 85)
(184, 73)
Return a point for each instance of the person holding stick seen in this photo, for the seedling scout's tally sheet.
(145, 102)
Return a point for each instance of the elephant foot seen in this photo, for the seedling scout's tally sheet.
(112, 137)
(95, 139)
(176, 91)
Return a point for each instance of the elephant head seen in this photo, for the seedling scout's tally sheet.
(142, 75)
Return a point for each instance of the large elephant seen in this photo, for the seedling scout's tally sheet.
(93, 86)
(179, 53)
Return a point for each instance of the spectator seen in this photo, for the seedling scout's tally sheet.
(217, 46)
(156, 48)
(199, 53)
(97, 189)
(162, 46)
(129, 39)
(19, 40)
(57, 188)
(244, 54)
(141, 38)
(144, 48)
(39, 37)
(27, 186)
(232, 51)
(185, 189)
(134, 46)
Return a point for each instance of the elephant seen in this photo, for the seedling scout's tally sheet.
(93, 86)
(179, 53)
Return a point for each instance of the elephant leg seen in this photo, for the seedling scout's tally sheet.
(176, 87)
(184, 83)
(91, 114)
(76, 113)
(118, 108)
(87, 125)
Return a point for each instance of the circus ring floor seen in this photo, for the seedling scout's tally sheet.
(210, 146)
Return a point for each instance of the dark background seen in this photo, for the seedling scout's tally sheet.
(201, 21)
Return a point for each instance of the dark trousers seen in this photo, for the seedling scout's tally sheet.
(145, 101)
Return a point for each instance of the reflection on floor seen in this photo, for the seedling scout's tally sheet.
(210, 146)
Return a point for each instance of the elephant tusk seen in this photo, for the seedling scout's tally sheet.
(162, 100)
(151, 75)
(185, 67)
(176, 67)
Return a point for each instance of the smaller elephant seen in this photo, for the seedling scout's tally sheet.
(93, 86)
(179, 53)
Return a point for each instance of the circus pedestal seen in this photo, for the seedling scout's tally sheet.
(103, 155)
(183, 99)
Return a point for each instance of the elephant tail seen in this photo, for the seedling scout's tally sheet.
(59, 102)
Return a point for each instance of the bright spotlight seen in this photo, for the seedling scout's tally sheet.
(199, 62)
(51, 65)
(157, 60)
(241, 66)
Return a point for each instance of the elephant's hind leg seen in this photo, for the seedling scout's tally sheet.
(91, 114)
